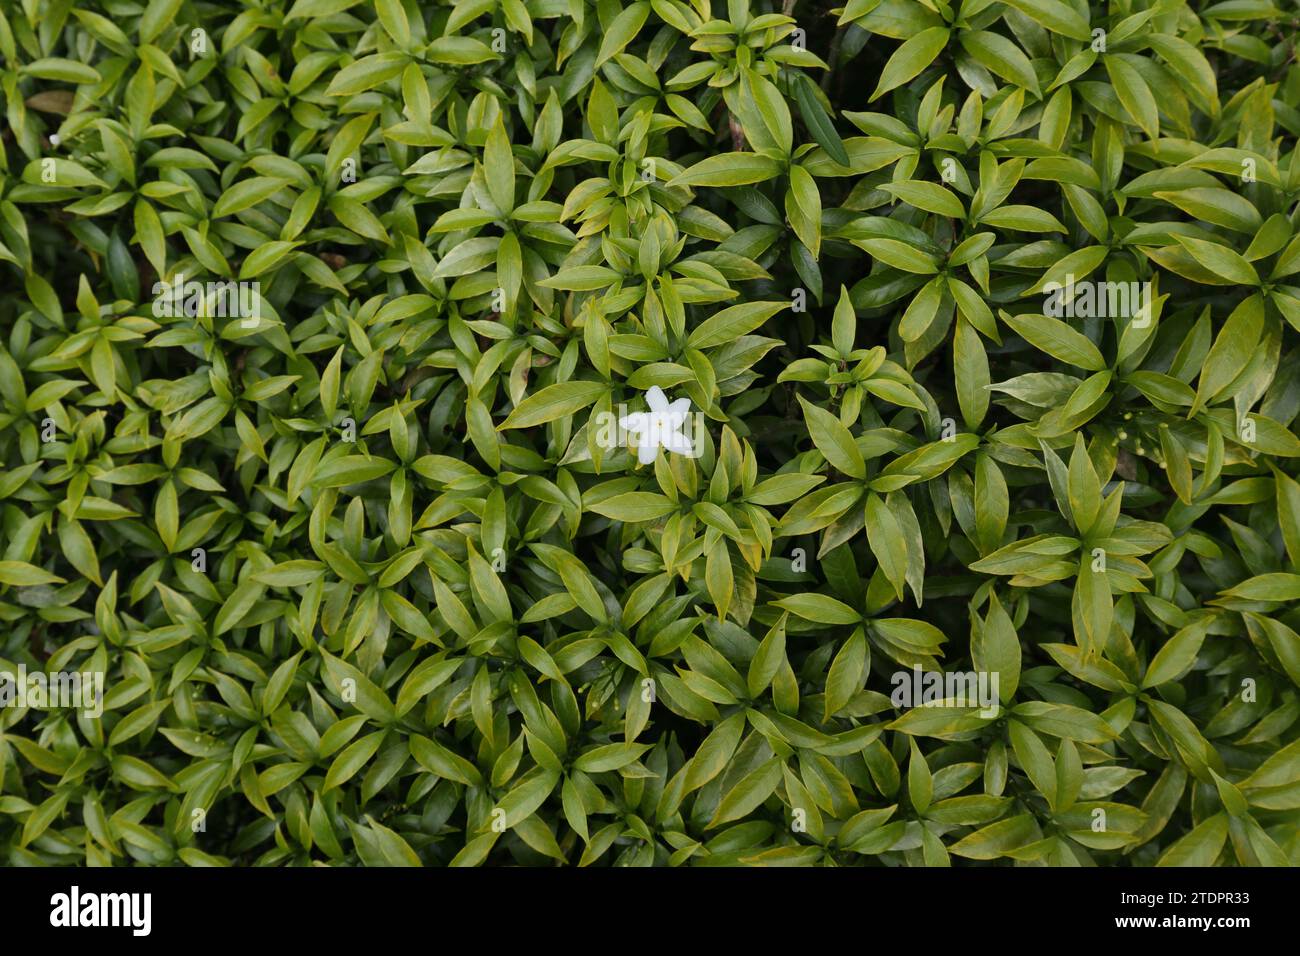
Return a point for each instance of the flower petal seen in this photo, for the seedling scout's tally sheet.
(676, 441)
(636, 422)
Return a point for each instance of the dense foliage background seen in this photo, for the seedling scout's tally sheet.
(366, 585)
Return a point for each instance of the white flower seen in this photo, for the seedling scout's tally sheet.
(661, 427)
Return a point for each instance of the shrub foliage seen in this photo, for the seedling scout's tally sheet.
(984, 319)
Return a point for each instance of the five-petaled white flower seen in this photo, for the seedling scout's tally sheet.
(661, 427)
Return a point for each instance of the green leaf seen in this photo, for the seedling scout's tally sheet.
(1055, 15)
(552, 402)
(22, 574)
(997, 839)
(748, 793)
(1177, 655)
(61, 69)
(887, 542)
(1056, 339)
(729, 169)
(499, 166)
(819, 608)
(819, 124)
(928, 196)
(1134, 93)
(1201, 846)
(916, 53)
(247, 193)
(622, 30)
(834, 441)
(733, 322)
(846, 676)
(634, 506)
(1232, 350)
(1220, 260)
(803, 208)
